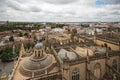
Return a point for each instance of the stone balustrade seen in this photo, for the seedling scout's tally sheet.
(28, 73)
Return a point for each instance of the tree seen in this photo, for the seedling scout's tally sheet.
(26, 34)
(6, 54)
(28, 45)
(11, 39)
(20, 34)
(74, 31)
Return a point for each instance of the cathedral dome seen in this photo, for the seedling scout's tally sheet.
(33, 64)
(39, 45)
(36, 66)
(38, 62)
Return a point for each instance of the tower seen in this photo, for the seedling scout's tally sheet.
(14, 53)
(95, 34)
(47, 44)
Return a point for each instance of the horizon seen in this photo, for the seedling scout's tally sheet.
(64, 22)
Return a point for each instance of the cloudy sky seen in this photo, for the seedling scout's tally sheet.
(60, 10)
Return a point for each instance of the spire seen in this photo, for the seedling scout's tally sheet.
(14, 53)
(95, 33)
(22, 50)
(46, 39)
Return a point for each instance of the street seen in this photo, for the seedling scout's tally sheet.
(6, 67)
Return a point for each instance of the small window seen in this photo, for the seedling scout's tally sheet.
(97, 70)
(75, 74)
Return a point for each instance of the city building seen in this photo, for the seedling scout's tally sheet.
(58, 58)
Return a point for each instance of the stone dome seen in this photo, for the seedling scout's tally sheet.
(39, 45)
(70, 55)
(37, 64)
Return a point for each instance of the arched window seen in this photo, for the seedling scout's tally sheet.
(109, 48)
(97, 70)
(114, 64)
(105, 45)
(75, 74)
(39, 54)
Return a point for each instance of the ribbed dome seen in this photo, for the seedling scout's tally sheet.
(32, 64)
(39, 45)
(38, 62)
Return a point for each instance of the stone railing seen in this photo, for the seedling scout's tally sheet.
(28, 73)
(94, 57)
(15, 67)
(114, 53)
(44, 76)
(109, 41)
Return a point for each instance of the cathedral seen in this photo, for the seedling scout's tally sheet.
(68, 57)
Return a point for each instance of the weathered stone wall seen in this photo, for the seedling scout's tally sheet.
(83, 67)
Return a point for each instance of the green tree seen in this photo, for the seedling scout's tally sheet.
(6, 54)
(11, 39)
(20, 34)
(26, 34)
(28, 45)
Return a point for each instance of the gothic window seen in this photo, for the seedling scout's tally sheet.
(114, 64)
(38, 53)
(97, 70)
(75, 74)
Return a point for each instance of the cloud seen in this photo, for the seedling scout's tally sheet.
(60, 1)
(59, 10)
(15, 5)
